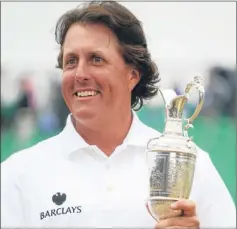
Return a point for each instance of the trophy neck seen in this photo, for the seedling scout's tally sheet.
(174, 116)
(174, 126)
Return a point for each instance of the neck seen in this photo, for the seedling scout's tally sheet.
(106, 137)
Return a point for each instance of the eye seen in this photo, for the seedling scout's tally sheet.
(97, 60)
(72, 61)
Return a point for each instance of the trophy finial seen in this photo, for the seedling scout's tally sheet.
(198, 79)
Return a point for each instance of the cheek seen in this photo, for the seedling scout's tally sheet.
(67, 80)
(67, 85)
(123, 83)
(119, 89)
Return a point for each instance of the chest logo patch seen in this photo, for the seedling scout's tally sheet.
(59, 199)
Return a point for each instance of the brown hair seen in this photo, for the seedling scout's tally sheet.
(131, 38)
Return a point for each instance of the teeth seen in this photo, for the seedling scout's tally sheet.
(86, 93)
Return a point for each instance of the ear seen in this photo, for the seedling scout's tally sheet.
(134, 78)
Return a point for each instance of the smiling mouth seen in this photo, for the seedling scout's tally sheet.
(81, 94)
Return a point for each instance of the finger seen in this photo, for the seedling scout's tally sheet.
(183, 222)
(187, 206)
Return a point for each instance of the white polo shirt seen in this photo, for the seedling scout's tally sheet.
(64, 182)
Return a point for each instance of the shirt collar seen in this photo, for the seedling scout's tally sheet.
(138, 135)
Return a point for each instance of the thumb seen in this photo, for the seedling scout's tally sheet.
(187, 206)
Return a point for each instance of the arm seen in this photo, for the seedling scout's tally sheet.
(215, 207)
(12, 212)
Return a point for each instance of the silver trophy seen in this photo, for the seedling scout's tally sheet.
(171, 157)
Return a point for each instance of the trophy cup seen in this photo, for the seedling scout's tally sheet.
(171, 157)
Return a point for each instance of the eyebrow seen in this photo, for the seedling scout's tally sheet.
(96, 51)
(69, 54)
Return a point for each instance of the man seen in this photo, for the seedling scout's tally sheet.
(93, 174)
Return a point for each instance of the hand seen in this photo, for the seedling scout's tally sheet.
(187, 220)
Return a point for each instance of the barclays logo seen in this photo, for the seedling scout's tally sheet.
(59, 199)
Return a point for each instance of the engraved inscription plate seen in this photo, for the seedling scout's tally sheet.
(171, 174)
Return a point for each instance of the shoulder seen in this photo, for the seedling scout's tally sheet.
(25, 159)
(140, 133)
(207, 175)
(203, 161)
(149, 131)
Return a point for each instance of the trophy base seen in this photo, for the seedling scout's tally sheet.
(159, 208)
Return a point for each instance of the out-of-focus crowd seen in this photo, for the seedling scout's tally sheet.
(34, 107)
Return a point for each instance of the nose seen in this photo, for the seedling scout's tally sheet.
(82, 73)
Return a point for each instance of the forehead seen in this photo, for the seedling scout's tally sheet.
(89, 37)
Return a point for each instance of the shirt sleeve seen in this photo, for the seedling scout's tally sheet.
(215, 207)
(12, 212)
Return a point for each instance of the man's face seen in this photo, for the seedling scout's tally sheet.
(97, 83)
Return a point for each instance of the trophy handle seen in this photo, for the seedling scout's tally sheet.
(197, 83)
(162, 95)
(165, 102)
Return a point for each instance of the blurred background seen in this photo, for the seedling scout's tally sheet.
(184, 38)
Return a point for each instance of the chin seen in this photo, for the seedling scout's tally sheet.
(85, 115)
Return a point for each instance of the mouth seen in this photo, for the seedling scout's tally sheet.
(84, 94)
